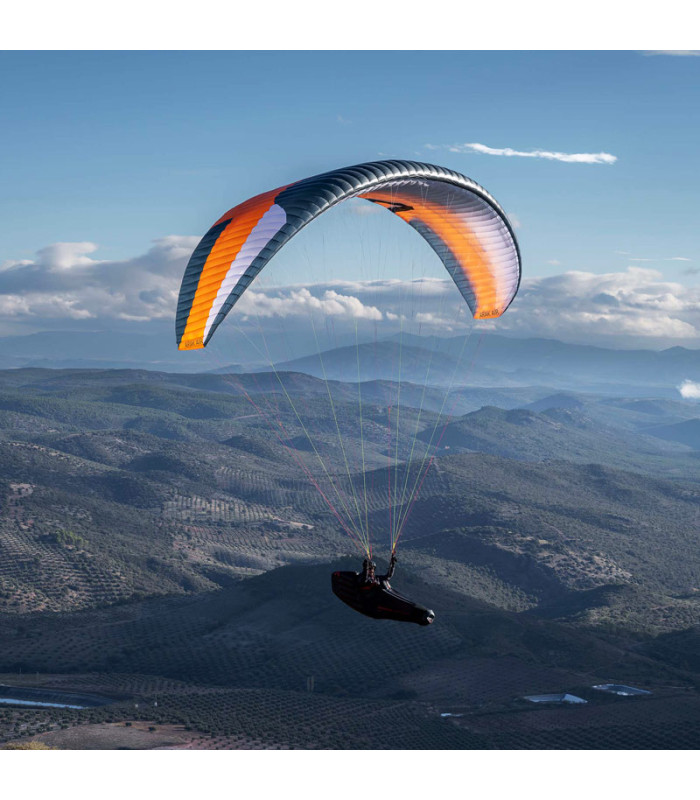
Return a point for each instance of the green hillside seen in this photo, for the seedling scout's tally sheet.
(160, 540)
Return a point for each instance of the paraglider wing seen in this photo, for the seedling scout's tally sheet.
(463, 224)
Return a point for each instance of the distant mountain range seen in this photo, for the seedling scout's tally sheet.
(485, 360)
(492, 360)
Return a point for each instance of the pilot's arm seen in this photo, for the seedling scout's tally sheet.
(392, 567)
(365, 571)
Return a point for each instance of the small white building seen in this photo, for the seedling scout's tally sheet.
(621, 689)
(554, 698)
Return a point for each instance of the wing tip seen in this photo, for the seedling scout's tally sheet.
(191, 344)
(489, 313)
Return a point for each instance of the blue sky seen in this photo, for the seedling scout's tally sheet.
(121, 149)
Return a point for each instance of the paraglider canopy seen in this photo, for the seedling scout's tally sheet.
(460, 220)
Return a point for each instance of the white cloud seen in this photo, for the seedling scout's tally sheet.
(66, 255)
(690, 390)
(13, 305)
(552, 155)
(634, 307)
(63, 282)
(671, 52)
(43, 306)
(301, 302)
(430, 318)
(630, 257)
(363, 207)
(58, 256)
(636, 304)
(384, 306)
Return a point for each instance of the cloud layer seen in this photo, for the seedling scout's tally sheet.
(550, 155)
(300, 302)
(64, 282)
(66, 285)
(632, 306)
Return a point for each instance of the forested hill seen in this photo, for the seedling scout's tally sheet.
(160, 531)
(121, 484)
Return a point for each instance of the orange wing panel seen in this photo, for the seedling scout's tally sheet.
(244, 218)
(453, 229)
